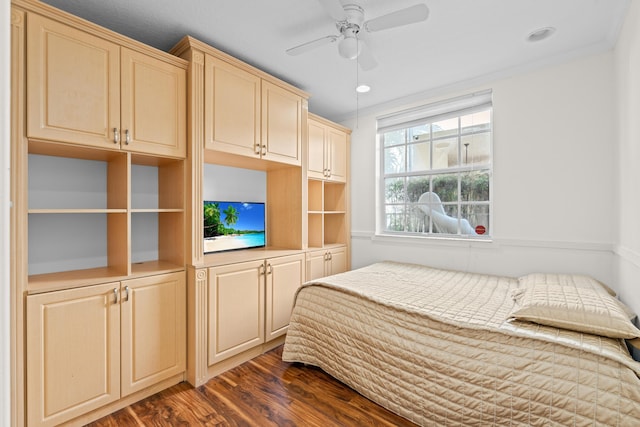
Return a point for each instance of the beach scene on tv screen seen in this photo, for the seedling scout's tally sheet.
(233, 225)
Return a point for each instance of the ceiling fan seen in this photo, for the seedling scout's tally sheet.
(350, 23)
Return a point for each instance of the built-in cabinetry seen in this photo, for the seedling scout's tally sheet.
(240, 302)
(250, 303)
(109, 277)
(326, 262)
(250, 116)
(327, 152)
(88, 90)
(90, 346)
(98, 136)
(328, 219)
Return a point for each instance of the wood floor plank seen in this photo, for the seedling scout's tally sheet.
(262, 392)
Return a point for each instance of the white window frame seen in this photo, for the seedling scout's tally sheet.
(426, 114)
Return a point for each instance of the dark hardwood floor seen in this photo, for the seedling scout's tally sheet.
(262, 392)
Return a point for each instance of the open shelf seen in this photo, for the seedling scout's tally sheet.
(334, 197)
(326, 214)
(315, 195)
(97, 215)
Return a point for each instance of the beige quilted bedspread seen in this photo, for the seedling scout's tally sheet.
(434, 346)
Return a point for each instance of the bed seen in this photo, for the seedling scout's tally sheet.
(444, 348)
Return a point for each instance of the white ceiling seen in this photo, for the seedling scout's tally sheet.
(461, 41)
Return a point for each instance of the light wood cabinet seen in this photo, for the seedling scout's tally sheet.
(98, 222)
(236, 309)
(328, 219)
(73, 347)
(232, 108)
(153, 330)
(327, 150)
(93, 345)
(284, 277)
(281, 124)
(250, 303)
(83, 89)
(249, 116)
(326, 262)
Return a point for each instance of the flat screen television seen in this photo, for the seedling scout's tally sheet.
(232, 226)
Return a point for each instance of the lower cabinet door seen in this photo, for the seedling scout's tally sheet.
(284, 275)
(73, 349)
(316, 268)
(337, 260)
(236, 309)
(153, 330)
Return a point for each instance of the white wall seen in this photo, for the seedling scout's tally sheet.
(627, 238)
(553, 184)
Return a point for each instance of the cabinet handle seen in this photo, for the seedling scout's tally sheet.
(261, 270)
(270, 269)
(116, 136)
(330, 256)
(264, 149)
(256, 148)
(127, 137)
(126, 293)
(329, 173)
(115, 295)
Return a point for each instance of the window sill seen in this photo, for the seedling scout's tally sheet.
(426, 240)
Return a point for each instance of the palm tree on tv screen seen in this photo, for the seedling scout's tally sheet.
(231, 215)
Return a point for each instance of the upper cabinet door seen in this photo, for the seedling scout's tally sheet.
(316, 150)
(154, 112)
(232, 109)
(281, 124)
(337, 155)
(73, 84)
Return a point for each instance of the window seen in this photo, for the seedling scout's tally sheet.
(436, 165)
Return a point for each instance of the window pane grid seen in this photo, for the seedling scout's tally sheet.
(437, 176)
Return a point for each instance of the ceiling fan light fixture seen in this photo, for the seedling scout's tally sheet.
(349, 47)
(363, 88)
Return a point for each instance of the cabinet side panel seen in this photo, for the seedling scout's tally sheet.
(18, 216)
(284, 208)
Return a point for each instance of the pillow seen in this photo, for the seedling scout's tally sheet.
(627, 310)
(572, 302)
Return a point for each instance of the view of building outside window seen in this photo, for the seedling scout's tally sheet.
(436, 175)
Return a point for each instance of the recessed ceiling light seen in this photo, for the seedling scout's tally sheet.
(541, 34)
(363, 89)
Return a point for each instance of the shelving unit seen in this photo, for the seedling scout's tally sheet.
(77, 215)
(327, 214)
(97, 215)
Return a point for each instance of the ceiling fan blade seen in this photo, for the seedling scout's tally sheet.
(334, 9)
(410, 15)
(366, 59)
(305, 47)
